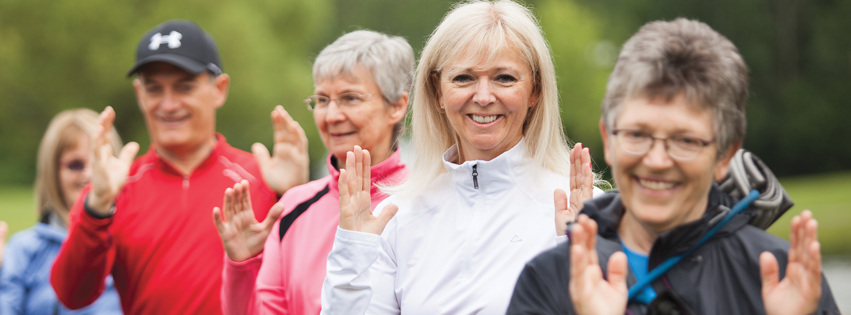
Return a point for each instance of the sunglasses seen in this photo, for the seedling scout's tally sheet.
(76, 165)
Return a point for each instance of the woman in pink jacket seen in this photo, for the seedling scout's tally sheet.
(361, 83)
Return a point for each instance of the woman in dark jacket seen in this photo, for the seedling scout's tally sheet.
(684, 84)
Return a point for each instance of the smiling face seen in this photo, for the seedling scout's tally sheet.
(179, 107)
(368, 124)
(74, 170)
(487, 103)
(660, 192)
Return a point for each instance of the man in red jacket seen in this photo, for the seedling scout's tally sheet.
(148, 223)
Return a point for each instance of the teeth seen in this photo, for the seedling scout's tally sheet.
(483, 119)
(655, 185)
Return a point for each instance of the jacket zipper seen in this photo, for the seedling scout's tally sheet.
(475, 176)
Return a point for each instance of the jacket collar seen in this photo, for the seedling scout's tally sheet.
(50, 233)
(389, 171)
(608, 210)
(166, 167)
(492, 177)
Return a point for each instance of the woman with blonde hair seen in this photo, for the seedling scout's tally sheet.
(62, 170)
(485, 193)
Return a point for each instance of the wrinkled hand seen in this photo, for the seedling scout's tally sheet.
(109, 173)
(4, 231)
(354, 184)
(290, 165)
(581, 188)
(242, 236)
(589, 292)
(800, 290)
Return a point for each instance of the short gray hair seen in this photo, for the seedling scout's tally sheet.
(666, 58)
(390, 60)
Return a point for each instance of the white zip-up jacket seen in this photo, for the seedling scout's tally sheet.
(457, 248)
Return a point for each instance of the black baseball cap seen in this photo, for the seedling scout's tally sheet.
(181, 43)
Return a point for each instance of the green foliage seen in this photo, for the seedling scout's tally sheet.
(57, 55)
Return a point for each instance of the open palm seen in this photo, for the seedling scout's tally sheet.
(800, 290)
(589, 291)
(581, 188)
(355, 185)
(109, 173)
(290, 164)
(242, 236)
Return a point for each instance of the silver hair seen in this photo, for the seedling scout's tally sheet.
(390, 60)
(668, 58)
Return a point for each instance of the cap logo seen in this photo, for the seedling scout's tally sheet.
(172, 39)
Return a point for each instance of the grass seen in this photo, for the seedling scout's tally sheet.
(828, 196)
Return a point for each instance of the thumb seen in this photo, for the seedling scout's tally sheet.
(560, 198)
(617, 271)
(274, 213)
(260, 153)
(217, 219)
(128, 152)
(386, 214)
(769, 272)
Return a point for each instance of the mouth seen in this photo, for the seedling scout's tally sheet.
(484, 120)
(174, 119)
(656, 185)
(338, 135)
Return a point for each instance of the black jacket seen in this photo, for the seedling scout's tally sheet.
(720, 277)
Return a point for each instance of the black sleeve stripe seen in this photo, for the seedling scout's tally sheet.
(288, 219)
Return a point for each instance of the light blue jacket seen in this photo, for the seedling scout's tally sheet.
(25, 276)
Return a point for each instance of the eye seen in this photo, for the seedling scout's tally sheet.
(634, 135)
(687, 142)
(463, 79)
(185, 87)
(505, 79)
(153, 89)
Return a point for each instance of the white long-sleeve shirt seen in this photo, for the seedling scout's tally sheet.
(457, 248)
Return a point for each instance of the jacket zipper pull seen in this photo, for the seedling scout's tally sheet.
(475, 177)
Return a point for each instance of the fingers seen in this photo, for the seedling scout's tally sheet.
(128, 152)
(560, 199)
(617, 271)
(769, 272)
(282, 124)
(217, 218)
(352, 173)
(227, 204)
(245, 197)
(359, 167)
(795, 239)
(367, 184)
(274, 213)
(386, 214)
(260, 153)
(343, 186)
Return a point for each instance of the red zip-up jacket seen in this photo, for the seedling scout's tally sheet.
(161, 245)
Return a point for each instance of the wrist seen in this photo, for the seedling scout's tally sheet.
(98, 206)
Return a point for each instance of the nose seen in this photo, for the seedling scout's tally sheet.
(657, 157)
(87, 172)
(334, 114)
(170, 101)
(484, 95)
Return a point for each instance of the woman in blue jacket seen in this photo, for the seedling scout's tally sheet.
(62, 171)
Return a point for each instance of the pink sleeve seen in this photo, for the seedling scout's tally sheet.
(254, 286)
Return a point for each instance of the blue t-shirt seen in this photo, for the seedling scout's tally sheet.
(638, 264)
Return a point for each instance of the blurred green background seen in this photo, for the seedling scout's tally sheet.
(60, 54)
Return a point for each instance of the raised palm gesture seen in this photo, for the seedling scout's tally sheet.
(242, 236)
(355, 185)
(800, 290)
(589, 292)
(581, 188)
(109, 173)
(290, 165)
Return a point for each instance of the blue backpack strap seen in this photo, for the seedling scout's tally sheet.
(671, 262)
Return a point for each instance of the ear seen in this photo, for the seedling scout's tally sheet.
(606, 150)
(723, 164)
(137, 87)
(398, 109)
(536, 94)
(435, 81)
(222, 86)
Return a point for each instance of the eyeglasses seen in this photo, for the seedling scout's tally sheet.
(75, 165)
(679, 147)
(345, 100)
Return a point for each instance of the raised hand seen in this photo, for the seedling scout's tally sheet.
(290, 166)
(242, 236)
(4, 231)
(589, 292)
(355, 185)
(800, 290)
(109, 173)
(581, 188)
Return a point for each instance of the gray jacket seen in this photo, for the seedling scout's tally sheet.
(720, 277)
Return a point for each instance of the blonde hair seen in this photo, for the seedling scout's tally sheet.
(470, 31)
(63, 133)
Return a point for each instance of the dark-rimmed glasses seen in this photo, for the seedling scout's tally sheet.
(679, 147)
